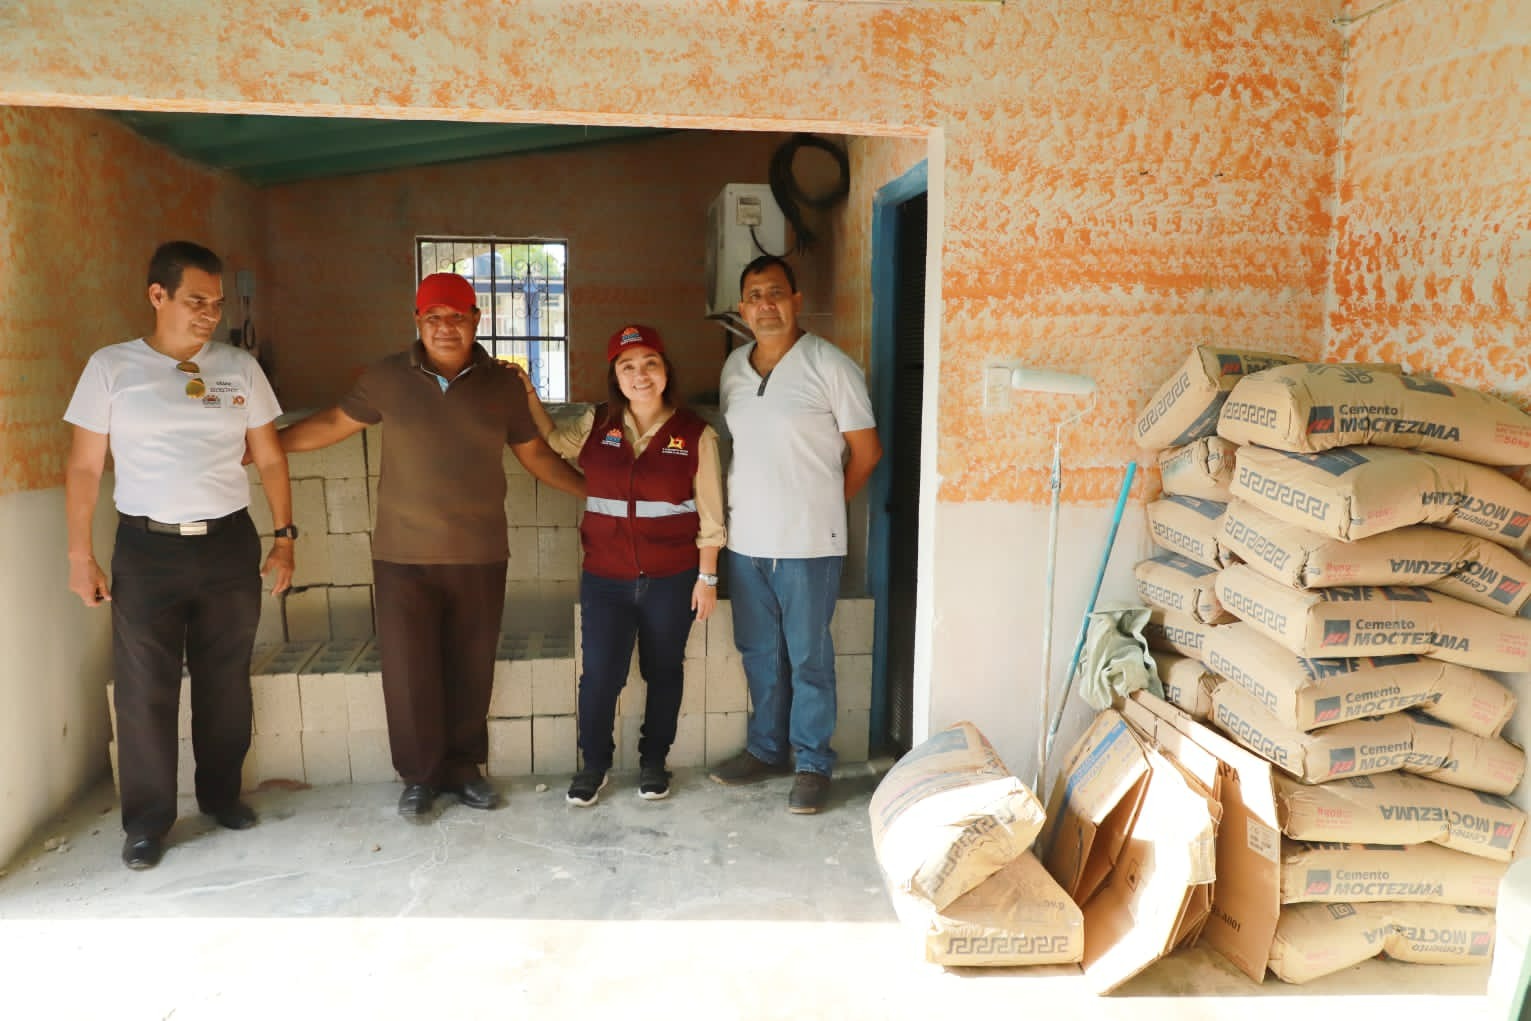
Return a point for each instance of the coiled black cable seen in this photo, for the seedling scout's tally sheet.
(791, 198)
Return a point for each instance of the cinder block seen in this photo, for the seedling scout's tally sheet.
(308, 614)
(512, 694)
(522, 565)
(291, 658)
(626, 735)
(853, 682)
(725, 735)
(372, 503)
(720, 631)
(111, 706)
(273, 757)
(323, 688)
(351, 611)
(555, 507)
(272, 629)
(696, 640)
(326, 757)
(278, 708)
(851, 627)
(371, 758)
(311, 553)
(365, 708)
(520, 500)
(369, 660)
(183, 711)
(186, 768)
(510, 747)
(372, 450)
(510, 464)
(345, 503)
(554, 689)
(343, 460)
(558, 554)
(351, 559)
(694, 700)
(727, 689)
(851, 733)
(260, 512)
(111, 753)
(554, 742)
(690, 747)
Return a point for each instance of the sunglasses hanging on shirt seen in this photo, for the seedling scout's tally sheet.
(194, 387)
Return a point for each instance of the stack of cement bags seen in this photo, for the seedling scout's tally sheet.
(1369, 551)
(952, 830)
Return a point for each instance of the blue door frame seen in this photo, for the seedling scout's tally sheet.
(884, 253)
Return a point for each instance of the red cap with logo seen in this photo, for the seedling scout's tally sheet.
(447, 289)
(631, 336)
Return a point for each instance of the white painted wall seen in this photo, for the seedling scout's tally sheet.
(55, 657)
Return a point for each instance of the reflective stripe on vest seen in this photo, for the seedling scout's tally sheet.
(641, 508)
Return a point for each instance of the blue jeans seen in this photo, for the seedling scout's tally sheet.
(656, 613)
(782, 609)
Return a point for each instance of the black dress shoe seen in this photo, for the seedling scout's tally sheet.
(416, 801)
(236, 816)
(142, 852)
(478, 793)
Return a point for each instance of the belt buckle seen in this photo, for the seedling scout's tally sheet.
(193, 528)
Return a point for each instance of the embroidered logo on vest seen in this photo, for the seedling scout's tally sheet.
(677, 445)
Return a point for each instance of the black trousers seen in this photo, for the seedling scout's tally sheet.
(175, 596)
(439, 629)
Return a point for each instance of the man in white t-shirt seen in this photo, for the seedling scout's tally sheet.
(177, 412)
(804, 444)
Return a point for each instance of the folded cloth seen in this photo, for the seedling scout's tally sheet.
(1116, 661)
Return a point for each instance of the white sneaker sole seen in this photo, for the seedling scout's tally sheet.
(571, 799)
(647, 796)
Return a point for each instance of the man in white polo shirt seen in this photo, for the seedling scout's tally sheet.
(177, 412)
(804, 444)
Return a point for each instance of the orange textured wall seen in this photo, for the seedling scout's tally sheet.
(83, 203)
(633, 214)
(1433, 248)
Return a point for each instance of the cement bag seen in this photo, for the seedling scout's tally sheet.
(1172, 582)
(1018, 916)
(1356, 748)
(1461, 759)
(1308, 408)
(1354, 492)
(1185, 407)
(1187, 684)
(1168, 631)
(1202, 468)
(1189, 526)
(1396, 808)
(1465, 567)
(1314, 940)
(1373, 872)
(1376, 619)
(949, 815)
(1311, 693)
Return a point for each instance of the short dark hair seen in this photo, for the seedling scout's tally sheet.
(616, 400)
(761, 263)
(169, 262)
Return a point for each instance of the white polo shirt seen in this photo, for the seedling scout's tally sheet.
(177, 457)
(786, 480)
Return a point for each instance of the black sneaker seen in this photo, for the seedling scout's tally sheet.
(585, 788)
(653, 783)
(809, 793)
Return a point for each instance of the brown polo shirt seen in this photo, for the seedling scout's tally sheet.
(441, 487)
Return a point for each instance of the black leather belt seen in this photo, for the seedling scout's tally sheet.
(207, 527)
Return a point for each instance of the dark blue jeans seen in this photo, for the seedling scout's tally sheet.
(782, 609)
(656, 613)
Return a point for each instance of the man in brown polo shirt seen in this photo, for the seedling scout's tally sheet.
(440, 547)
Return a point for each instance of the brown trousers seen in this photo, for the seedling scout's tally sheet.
(439, 629)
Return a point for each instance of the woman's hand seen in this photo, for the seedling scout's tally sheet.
(704, 599)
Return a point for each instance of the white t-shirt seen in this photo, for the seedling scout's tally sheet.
(786, 481)
(177, 457)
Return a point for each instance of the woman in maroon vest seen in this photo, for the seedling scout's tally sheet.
(651, 533)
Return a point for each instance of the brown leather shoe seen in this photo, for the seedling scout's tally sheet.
(745, 768)
(810, 792)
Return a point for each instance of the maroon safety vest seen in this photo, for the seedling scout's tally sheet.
(640, 514)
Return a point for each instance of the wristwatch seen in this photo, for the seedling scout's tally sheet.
(285, 532)
(710, 580)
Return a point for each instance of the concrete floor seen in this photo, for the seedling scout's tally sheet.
(713, 904)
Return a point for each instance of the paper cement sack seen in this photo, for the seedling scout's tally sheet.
(1371, 872)
(1312, 693)
(1168, 631)
(1185, 406)
(1396, 808)
(1311, 407)
(1465, 567)
(1187, 684)
(1313, 940)
(1355, 620)
(1354, 492)
(1461, 759)
(1189, 526)
(1018, 916)
(1172, 582)
(1202, 468)
(949, 815)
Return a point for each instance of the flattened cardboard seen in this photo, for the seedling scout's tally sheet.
(1092, 810)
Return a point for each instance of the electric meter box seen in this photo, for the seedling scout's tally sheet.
(742, 223)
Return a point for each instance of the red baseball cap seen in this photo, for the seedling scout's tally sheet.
(628, 336)
(447, 289)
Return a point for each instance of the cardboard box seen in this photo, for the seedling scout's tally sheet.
(1345, 873)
